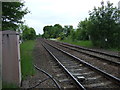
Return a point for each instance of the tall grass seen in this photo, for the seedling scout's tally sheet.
(26, 49)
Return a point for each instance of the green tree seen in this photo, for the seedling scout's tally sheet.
(104, 26)
(32, 34)
(39, 35)
(21, 28)
(73, 34)
(25, 33)
(28, 33)
(83, 30)
(67, 30)
(57, 30)
(48, 32)
(12, 13)
(77, 34)
(52, 31)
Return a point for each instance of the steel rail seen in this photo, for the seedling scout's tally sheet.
(64, 68)
(107, 75)
(115, 56)
(104, 59)
(48, 76)
(38, 83)
(87, 49)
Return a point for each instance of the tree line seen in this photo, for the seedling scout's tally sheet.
(27, 33)
(12, 14)
(102, 27)
(57, 31)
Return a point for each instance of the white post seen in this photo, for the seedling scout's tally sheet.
(0, 60)
(119, 5)
(18, 43)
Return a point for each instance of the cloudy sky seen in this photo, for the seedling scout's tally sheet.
(63, 12)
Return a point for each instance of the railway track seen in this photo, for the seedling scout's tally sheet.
(112, 59)
(110, 67)
(109, 59)
(91, 50)
(81, 74)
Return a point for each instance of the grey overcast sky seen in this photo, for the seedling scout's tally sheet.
(63, 12)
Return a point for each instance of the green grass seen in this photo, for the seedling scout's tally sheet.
(27, 59)
(9, 85)
(86, 44)
(80, 43)
(115, 49)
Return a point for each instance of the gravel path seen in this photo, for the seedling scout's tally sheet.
(42, 60)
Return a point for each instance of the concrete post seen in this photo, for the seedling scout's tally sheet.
(11, 72)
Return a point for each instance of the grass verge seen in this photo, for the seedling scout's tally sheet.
(87, 44)
(9, 85)
(80, 43)
(26, 49)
